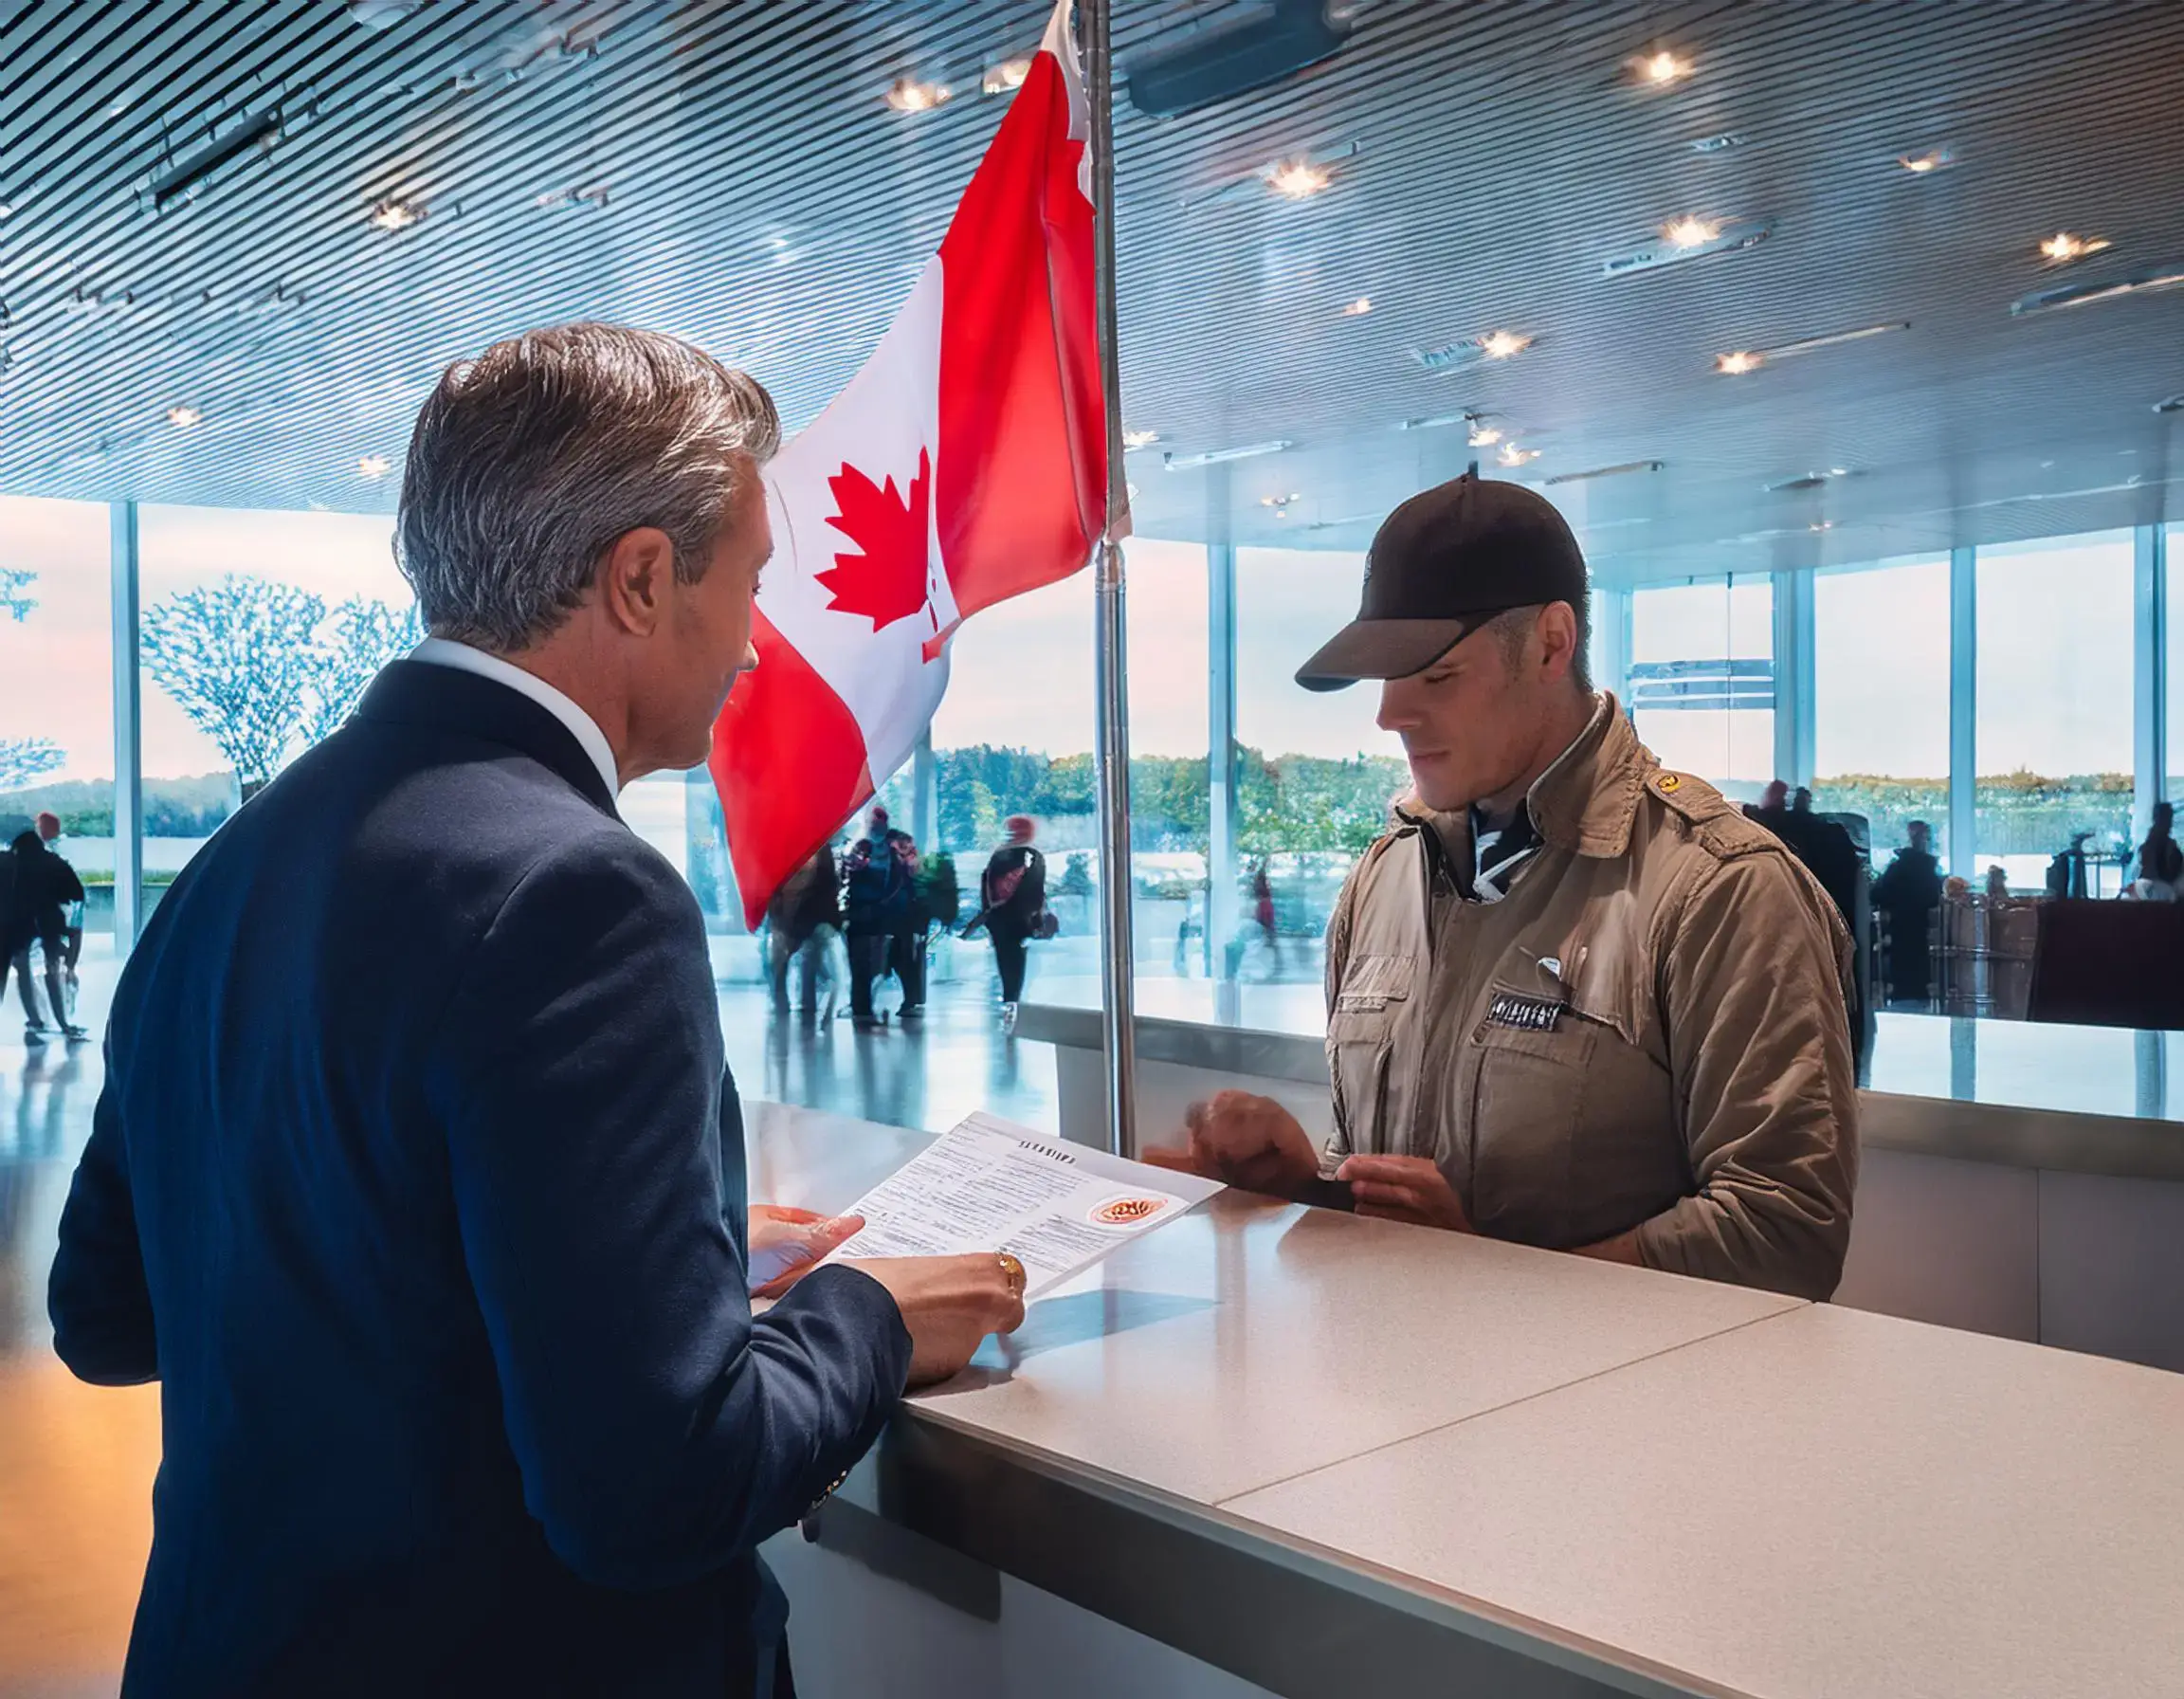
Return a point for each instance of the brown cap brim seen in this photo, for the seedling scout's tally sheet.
(1383, 648)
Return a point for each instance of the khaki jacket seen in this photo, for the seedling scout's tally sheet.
(1649, 1031)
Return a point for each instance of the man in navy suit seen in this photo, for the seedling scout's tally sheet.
(416, 1179)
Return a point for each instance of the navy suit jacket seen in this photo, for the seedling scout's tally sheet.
(418, 1183)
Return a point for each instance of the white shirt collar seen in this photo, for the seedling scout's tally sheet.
(445, 651)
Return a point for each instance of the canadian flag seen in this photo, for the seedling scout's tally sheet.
(965, 463)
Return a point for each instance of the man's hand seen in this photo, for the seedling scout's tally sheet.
(787, 1244)
(1246, 1141)
(1403, 1189)
(949, 1304)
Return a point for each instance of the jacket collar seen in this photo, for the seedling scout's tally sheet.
(1587, 802)
(419, 693)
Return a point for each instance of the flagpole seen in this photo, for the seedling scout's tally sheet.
(1111, 758)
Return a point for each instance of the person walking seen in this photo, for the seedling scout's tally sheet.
(908, 925)
(42, 887)
(876, 901)
(808, 902)
(2160, 860)
(1013, 908)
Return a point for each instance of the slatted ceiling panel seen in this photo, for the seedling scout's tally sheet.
(1504, 156)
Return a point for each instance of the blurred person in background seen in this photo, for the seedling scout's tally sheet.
(418, 1179)
(1013, 908)
(876, 904)
(38, 890)
(2160, 861)
(906, 936)
(807, 905)
(1909, 892)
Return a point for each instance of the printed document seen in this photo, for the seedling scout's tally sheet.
(991, 1185)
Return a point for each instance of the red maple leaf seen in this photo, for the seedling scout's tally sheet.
(887, 582)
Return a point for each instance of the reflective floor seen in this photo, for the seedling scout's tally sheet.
(76, 1462)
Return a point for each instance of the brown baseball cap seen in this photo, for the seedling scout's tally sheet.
(1442, 565)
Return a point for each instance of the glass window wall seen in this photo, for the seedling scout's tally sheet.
(259, 632)
(1315, 773)
(2055, 740)
(57, 720)
(1881, 697)
(1702, 679)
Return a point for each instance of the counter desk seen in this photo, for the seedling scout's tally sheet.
(1274, 1450)
(2018, 1178)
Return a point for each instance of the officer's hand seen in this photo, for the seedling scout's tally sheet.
(1246, 1141)
(1404, 1189)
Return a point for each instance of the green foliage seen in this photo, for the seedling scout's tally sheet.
(1076, 878)
(941, 889)
(1298, 802)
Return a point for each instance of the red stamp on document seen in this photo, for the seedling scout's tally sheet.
(1127, 1212)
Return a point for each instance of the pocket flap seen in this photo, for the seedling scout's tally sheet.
(1370, 983)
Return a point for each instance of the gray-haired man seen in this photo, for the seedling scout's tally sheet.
(417, 1179)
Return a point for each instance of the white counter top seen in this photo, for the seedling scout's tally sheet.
(1825, 1505)
(1682, 1487)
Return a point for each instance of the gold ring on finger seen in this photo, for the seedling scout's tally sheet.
(1011, 1266)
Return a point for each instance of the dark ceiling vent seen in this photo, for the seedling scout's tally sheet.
(1243, 46)
(227, 141)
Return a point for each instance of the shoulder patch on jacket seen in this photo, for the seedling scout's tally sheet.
(1716, 822)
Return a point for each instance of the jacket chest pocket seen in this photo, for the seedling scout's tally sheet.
(1572, 1133)
(1526, 1086)
(1362, 1031)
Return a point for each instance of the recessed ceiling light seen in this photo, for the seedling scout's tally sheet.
(395, 215)
(1359, 308)
(1280, 500)
(1503, 344)
(1737, 364)
(1297, 179)
(1660, 69)
(1009, 74)
(1692, 232)
(183, 418)
(2062, 247)
(1512, 455)
(1139, 439)
(1821, 525)
(1481, 435)
(908, 95)
(372, 466)
(1920, 165)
